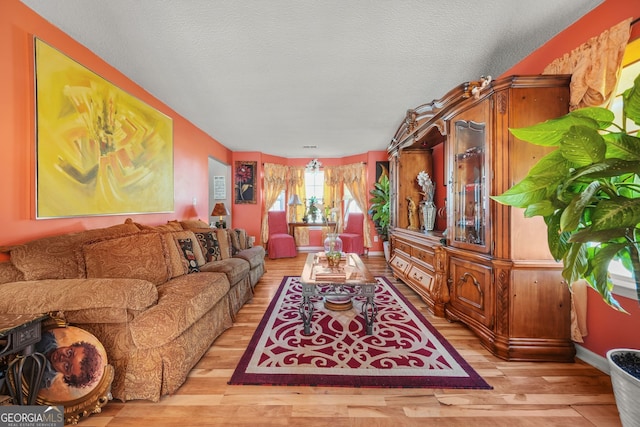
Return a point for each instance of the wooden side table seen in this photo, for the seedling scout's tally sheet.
(19, 333)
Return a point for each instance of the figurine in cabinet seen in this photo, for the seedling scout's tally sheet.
(413, 214)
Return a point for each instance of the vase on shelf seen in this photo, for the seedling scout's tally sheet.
(333, 249)
(428, 213)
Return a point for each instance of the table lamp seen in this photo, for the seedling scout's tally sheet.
(220, 211)
(294, 202)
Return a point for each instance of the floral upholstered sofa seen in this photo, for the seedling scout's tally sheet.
(156, 297)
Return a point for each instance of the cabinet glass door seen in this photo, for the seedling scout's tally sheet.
(469, 189)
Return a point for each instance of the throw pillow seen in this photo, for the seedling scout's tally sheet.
(187, 249)
(235, 243)
(224, 241)
(209, 244)
(139, 256)
(242, 238)
(188, 234)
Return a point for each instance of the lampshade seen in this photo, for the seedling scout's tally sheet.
(294, 200)
(219, 210)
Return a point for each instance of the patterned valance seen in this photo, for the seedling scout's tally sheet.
(594, 66)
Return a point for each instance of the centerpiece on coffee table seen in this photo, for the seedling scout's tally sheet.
(337, 284)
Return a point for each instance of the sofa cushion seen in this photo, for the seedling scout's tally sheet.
(191, 224)
(43, 296)
(139, 256)
(181, 302)
(235, 269)
(186, 245)
(254, 255)
(55, 257)
(169, 226)
(9, 273)
(209, 244)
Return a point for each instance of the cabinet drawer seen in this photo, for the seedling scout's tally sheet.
(471, 290)
(402, 246)
(423, 255)
(399, 264)
(421, 278)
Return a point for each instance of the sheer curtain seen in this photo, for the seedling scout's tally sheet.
(333, 193)
(296, 186)
(355, 178)
(594, 66)
(275, 181)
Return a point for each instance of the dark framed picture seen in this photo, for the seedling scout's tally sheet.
(382, 169)
(245, 182)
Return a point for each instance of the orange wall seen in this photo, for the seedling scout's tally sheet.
(607, 328)
(18, 26)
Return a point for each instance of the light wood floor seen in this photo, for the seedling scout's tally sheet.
(524, 394)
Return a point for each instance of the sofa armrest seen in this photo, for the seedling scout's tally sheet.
(43, 296)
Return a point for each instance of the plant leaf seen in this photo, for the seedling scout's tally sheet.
(631, 101)
(556, 239)
(615, 213)
(598, 274)
(583, 146)
(539, 184)
(606, 169)
(551, 132)
(587, 235)
(622, 146)
(575, 262)
(602, 116)
(542, 208)
(572, 214)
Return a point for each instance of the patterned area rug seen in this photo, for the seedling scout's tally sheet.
(405, 350)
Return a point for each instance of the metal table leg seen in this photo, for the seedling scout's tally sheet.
(306, 307)
(369, 308)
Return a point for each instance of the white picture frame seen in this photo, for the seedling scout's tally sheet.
(219, 188)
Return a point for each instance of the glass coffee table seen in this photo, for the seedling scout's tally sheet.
(337, 285)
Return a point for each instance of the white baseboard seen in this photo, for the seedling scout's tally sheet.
(592, 359)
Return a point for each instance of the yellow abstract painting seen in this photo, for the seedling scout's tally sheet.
(100, 151)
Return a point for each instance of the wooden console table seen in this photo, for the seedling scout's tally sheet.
(293, 225)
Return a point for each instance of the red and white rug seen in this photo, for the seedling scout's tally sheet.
(405, 350)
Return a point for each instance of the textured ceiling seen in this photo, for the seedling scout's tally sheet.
(278, 75)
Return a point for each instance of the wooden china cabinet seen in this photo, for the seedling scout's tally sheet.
(485, 264)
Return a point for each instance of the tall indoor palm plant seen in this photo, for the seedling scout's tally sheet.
(588, 191)
(379, 208)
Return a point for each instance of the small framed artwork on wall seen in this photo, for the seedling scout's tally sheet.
(245, 182)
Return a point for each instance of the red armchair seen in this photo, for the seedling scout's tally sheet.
(352, 238)
(280, 244)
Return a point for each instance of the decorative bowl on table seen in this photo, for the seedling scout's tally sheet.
(333, 259)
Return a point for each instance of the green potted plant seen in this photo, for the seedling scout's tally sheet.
(588, 192)
(379, 211)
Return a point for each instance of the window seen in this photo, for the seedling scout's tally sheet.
(279, 204)
(314, 190)
(314, 185)
(622, 279)
(350, 205)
